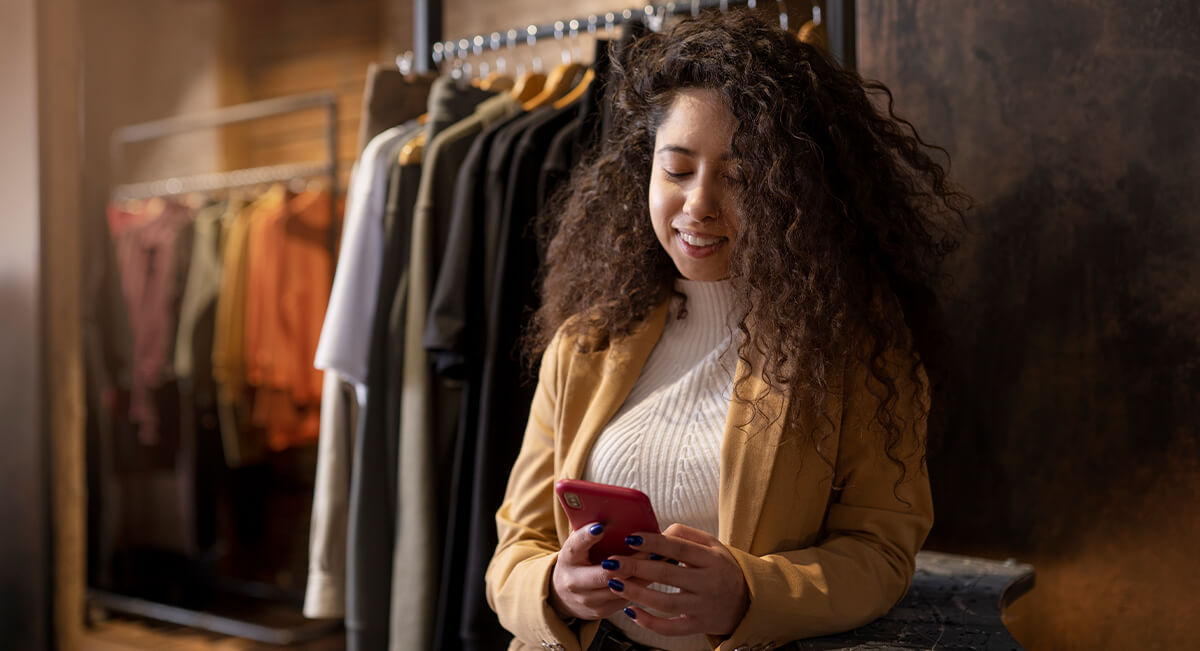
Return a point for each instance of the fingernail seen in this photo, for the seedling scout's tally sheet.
(610, 564)
(616, 585)
(596, 529)
(672, 561)
(634, 541)
(630, 612)
(655, 557)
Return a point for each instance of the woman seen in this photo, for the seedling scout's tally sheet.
(729, 290)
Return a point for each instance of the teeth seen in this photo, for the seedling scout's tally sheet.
(696, 240)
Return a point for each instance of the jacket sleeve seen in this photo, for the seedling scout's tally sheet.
(865, 559)
(518, 577)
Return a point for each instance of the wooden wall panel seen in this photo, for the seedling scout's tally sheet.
(274, 48)
(60, 69)
(1074, 440)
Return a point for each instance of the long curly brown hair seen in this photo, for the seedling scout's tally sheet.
(845, 215)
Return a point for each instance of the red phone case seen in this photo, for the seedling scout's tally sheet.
(621, 510)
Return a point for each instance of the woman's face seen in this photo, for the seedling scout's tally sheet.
(693, 185)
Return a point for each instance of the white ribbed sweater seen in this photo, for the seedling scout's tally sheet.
(665, 440)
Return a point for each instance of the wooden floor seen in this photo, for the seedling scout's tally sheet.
(137, 635)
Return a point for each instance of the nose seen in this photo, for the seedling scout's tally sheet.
(703, 201)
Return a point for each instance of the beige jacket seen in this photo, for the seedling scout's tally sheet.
(817, 560)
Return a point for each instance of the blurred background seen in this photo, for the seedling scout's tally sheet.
(1068, 434)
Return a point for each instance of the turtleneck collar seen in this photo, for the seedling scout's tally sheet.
(709, 301)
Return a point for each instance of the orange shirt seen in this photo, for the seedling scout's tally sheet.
(288, 284)
(234, 301)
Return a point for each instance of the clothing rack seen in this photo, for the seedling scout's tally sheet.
(219, 180)
(286, 625)
(839, 17)
(221, 117)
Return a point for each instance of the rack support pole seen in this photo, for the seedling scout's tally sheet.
(842, 23)
(427, 29)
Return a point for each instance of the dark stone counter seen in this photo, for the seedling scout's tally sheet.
(955, 602)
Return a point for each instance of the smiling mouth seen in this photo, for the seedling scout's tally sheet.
(700, 246)
(699, 240)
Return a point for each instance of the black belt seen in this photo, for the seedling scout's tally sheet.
(610, 638)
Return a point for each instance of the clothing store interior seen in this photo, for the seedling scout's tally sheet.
(267, 265)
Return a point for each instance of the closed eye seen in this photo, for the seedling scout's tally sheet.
(676, 175)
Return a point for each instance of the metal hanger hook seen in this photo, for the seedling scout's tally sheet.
(404, 62)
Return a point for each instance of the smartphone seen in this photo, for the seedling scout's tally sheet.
(621, 510)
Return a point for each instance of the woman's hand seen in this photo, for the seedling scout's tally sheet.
(577, 587)
(713, 595)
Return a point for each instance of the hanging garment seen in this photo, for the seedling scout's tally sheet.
(153, 251)
(345, 333)
(390, 99)
(153, 247)
(107, 346)
(428, 408)
(505, 392)
(197, 316)
(200, 427)
(290, 272)
(368, 583)
(454, 339)
(581, 133)
(372, 499)
(343, 351)
(244, 444)
(325, 590)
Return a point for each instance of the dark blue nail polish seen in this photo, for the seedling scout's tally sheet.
(634, 541)
(672, 561)
(616, 585)
(596, 529)
(631, 613)
(655, 557)
(610, 564)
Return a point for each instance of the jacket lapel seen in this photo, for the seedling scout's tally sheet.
(752, 438)
(614, 370)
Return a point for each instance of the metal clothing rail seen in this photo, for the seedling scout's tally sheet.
(839, 18)
(218, 181)
(221, 117)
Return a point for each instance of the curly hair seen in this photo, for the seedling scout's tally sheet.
(840, 241)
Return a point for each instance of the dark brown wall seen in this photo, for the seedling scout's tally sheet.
(1073, 407)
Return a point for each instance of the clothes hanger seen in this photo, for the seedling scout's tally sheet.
(561, 79)
(589, 73)
(814, 31)
(585, 81)
(529, 82)
(575, 93)
(497, 81)
(411, 152)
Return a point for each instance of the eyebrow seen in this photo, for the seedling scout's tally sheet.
(676, 149)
